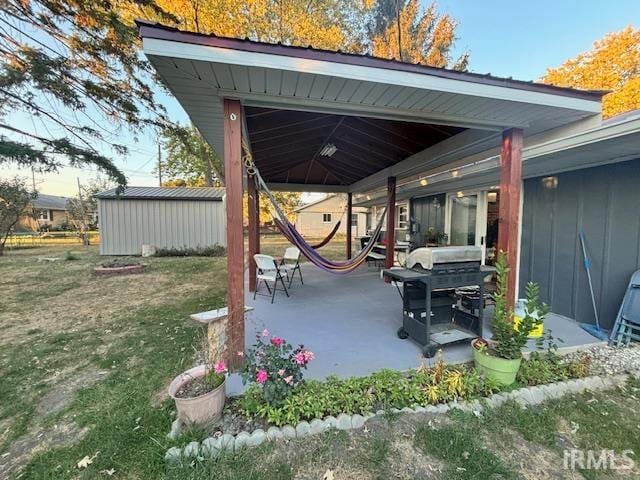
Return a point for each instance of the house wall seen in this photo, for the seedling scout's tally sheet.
(125, 225)
(309, 220)
(603, 203)
(58, 217)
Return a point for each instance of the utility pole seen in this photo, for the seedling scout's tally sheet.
(159, 164)
(399, 24)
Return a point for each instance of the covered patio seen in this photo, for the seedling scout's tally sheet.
(383, 121)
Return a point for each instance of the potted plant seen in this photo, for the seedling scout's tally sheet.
(200, 393)
(500, 357)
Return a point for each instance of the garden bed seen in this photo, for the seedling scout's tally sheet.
(119, 267)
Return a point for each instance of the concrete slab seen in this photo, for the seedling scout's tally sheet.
(350, 323)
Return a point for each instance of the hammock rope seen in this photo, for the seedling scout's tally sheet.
(290, 233)
(329, 237)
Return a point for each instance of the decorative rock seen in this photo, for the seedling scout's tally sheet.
(317, 426)
(211, 447)
(303, 429)
(431, 409)
(241, 441)
(176, 429)
(419, 409)
(442, 408)
(226, 441)
(173, 455)
(191, 450)
(344, 422)
(380, 412)
(357, 421)
(274, 433)
(257, 437)
(408, 410)
(288, 431)
(395, 410)
(332, 422)
(369, 415)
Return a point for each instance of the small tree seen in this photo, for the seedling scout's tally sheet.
(82, 207)
(14, 199)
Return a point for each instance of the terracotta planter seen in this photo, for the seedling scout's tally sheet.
(201, 410)
(501, 370)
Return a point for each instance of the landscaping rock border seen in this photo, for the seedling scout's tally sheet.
(528, 396)
(125, 270)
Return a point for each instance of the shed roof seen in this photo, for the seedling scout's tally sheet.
(165, 193)
(52, 202)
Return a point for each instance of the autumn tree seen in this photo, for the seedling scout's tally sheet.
(73, 68)
(14, 199)
(612, 64)
(81, 209)
(402, 31)
(189, 158)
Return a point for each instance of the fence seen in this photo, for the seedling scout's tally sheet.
(48, 239)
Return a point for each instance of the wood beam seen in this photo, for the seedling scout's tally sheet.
(391, 222)
(509, 206)
(349, 213)
(253, 199)
(235, 242)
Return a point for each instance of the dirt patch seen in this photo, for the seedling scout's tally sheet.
(532, 461)
(61, 396)
(37, 441)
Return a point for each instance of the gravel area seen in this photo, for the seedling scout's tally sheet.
(606, 360)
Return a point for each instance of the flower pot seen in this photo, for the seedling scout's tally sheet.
(499, 369)
(200, 410)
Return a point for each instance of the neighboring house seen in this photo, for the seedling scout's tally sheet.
(320, 217)
(49, 211)
(164, 217)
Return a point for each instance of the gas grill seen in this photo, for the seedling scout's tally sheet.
(429, 282)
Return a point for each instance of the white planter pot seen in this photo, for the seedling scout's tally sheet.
(200, 410)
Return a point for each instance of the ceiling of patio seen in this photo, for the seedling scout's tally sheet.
(287, 145)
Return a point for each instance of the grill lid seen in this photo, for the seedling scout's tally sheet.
(428, 257)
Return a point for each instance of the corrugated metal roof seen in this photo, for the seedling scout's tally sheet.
(165, 193)
(52, 202)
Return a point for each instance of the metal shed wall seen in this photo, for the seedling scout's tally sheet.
(127, 224)
(603, 202)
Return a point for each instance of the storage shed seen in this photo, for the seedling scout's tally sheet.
(164, 217)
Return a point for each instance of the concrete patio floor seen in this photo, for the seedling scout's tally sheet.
(350, 323)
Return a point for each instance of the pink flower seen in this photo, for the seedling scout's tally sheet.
(261, 376)
(265, 333)
(289, 379)
(220, 367)
(299, 358)
(308, 355)
(277, 341)
(281, 372)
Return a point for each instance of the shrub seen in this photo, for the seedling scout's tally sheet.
(548, 367)
(275, 366)
(213, 251)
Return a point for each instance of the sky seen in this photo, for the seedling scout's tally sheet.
(518, 39)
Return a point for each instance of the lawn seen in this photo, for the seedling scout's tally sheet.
(85, 361)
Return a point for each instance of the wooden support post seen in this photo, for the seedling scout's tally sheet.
(509, 207)
(254, 228)
(349, 214)
(390, 238)
(235, 241)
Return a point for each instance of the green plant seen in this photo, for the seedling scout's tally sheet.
(69, 256)
(549, 367)
(213, 251)
(508, 341)
(275, 366)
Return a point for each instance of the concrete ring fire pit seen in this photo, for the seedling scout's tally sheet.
(119, 268)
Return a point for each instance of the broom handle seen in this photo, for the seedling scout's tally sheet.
(587, 266)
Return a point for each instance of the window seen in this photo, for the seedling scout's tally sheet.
(326, 217)
(354, 219)
(402, 217)
(43, 215)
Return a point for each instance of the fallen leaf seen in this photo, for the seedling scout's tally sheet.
(109, 472)
(465, 455)
(328, 475)
(85, 462)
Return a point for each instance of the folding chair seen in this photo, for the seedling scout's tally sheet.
(290, 259)
(268, 271)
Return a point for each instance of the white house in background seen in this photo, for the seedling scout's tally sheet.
(318, 218)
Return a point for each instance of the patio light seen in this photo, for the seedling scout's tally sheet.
(328, 150)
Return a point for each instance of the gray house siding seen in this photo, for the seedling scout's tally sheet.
(125, 225)
(604, 203)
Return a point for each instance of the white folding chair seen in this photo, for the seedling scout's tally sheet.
(268, 271)
(291, 261)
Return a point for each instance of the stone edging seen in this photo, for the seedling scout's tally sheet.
(212, 447)
(124, 270)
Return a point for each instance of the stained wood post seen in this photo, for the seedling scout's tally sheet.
(391, 222)
(254, 228)
(509, 206)
(235, 242)
(349, 214)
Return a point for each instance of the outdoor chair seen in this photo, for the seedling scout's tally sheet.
(268, 271)
(291, 262)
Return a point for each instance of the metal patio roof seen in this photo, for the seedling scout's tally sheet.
(201, 69)
(164, 193)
